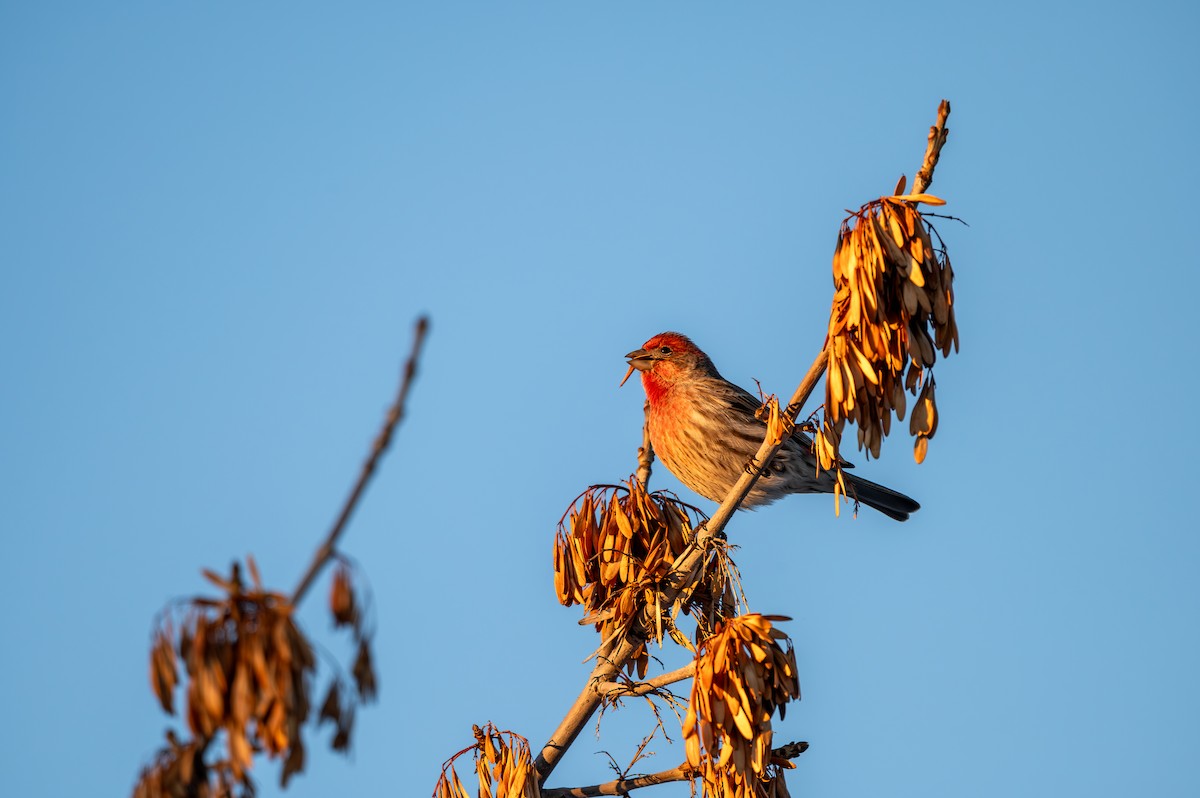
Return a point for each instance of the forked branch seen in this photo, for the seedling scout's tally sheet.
(686, 568)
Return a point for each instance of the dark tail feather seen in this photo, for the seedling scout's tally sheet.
(885, 500)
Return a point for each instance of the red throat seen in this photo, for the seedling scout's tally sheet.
(654, 387)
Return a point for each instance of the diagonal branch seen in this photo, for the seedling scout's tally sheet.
(686, 569)
(201, 742)
(327, 548)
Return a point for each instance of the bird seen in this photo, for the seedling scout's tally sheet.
(704, 429)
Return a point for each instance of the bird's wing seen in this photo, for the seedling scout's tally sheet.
(799, 445)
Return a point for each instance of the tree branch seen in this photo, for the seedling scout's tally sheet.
(612, 689)
(683, 772)
(645, 451)
(327, 548)
(622, 786)
(686, 568)
(933, 150)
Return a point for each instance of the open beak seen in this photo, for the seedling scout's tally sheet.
(638, 359)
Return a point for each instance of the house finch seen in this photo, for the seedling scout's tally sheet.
(704, 429)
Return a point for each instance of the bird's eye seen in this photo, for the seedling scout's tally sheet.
(665, 350)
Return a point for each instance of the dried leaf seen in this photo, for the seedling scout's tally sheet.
(928, 199)
(341, 598)
(164, 673)
(331, 708)
(294, 762)
(364, 673)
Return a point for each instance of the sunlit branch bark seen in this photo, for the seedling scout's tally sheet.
(645, 453)
(612, 689)
(933, 150)
(622, 786)
(683, 772)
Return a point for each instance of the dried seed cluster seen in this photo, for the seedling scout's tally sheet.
(892, 287)
(245, 660)
(743, 673)
(503, 766)
(179, 771)
(779, 426)
(826, 440)
(611, 551)
(249, 671)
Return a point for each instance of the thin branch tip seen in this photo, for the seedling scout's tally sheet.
(392, 419)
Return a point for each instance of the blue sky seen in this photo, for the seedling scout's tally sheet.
(219, 221)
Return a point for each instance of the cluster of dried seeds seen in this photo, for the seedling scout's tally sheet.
(892, 288)
(779, 426)
(245, 661)
(249, 670)
(179, 771)
(744, 672)
(503, 766)
(612, 551)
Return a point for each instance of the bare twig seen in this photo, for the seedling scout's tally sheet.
(933, 150)
(683, 772)
(617, 689)
(645, 452)
(789, 751)
(327, 548)
(686, 568)
(622, 786)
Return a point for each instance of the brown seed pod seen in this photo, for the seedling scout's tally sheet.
(893, 309)
(179, 769)
(744, 672)
(341, 598)
(613, 547)
(503, 766)
(164, 673)
(248, 669)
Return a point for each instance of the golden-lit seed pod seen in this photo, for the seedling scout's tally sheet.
(611, 549)
(924, 421)
(893, 310)
(744, 672)
(248, 669)
(503, 765)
